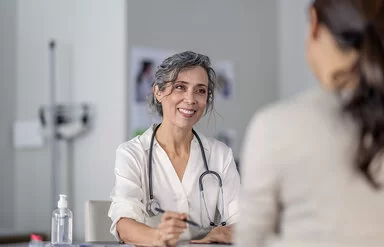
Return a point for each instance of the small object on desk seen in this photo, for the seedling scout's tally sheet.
(185, 220)
(185, 243)
(36, 241)
(105, 245)
(61, 227)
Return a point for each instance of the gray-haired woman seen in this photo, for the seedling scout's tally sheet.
(173, 183)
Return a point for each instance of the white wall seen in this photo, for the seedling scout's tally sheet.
(295, 74)
(241, 31)
(96, 30)
(8, 13)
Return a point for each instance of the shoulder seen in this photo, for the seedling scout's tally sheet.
(130, 156)
(131, 146)
(295, 121)
(137, 146)
(212, 144)
(217, 152)
(305, 108)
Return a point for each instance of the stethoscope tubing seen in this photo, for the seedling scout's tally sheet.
(201, 187)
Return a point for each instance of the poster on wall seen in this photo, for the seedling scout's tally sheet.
(144, 62)
(225, 75)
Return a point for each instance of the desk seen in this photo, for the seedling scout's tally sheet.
(203, 245)
(182, 244)
(8, 236)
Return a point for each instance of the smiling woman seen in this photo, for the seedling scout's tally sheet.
(172, 168)
(169, 71)
(184, 101)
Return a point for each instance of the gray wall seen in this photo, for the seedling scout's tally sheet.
(8, 18)
(294, 73)
(241, 31)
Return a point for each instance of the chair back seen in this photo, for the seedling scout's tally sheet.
(96, 222)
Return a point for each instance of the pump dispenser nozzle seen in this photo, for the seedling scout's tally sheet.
(62, 203)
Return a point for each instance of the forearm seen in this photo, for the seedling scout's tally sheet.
(225, 234)
(131, 231)
(221, 234)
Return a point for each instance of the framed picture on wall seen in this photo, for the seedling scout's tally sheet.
(144, 62)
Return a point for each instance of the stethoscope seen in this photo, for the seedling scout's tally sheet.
(153, 204)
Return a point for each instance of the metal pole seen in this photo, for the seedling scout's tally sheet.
(52, 112)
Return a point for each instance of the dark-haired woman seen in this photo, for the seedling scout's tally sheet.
(312, 164)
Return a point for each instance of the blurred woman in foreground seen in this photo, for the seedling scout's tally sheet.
(312, 165)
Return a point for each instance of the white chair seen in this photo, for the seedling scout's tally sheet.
(97, 223)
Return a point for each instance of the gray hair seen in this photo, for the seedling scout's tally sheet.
(170, 68)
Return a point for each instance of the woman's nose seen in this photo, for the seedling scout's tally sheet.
(190, 97)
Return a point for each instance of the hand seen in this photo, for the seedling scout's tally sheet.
(170, 229)
(220, 234)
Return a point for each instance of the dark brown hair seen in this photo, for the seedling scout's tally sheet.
(359, 24)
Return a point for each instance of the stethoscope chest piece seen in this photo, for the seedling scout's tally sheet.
(151, 207)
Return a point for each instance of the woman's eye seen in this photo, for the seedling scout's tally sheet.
(179, 86)
(201, 91)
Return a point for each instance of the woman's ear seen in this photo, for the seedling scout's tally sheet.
(313, 23)
(157, 93)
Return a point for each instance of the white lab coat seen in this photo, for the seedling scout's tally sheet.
(131, 191)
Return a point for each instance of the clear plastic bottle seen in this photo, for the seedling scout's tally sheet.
(61, 228)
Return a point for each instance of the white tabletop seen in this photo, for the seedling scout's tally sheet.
(202, 245)
(182, 244)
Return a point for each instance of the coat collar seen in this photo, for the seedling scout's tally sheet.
(145, 139)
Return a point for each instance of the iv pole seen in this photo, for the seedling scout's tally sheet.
(53, 142)
(64, 121)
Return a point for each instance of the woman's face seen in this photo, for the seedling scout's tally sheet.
(184, 101)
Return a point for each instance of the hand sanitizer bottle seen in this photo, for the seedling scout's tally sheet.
(61, 228)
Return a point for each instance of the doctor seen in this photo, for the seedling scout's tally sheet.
(175, 169)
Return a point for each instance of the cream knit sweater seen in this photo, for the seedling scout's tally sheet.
(298, 176)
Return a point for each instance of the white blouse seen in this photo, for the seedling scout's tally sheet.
(131, 191)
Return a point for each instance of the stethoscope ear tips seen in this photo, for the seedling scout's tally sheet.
(222, 223)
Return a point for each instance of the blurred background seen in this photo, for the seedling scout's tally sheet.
(94, 40)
